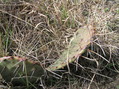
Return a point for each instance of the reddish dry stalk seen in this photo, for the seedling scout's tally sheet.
(13, 57)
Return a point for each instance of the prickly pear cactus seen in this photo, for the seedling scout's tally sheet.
(16, 70)
(77, 46)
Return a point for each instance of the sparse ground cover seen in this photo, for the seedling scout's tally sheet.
(40, 30)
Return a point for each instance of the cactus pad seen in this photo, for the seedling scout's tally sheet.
(19, 70)
(76, 47)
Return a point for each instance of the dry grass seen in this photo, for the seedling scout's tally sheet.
(41, 30)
